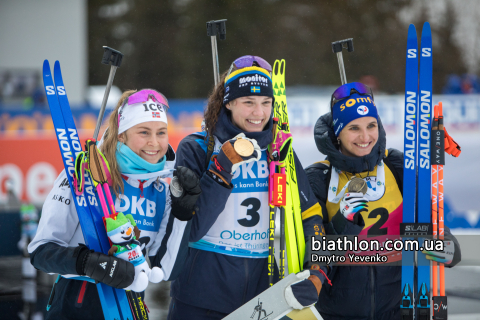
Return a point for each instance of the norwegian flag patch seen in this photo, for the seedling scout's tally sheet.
(156, 115)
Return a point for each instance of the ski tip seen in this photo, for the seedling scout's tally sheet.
(426, 31)
(412, 32)
(46, 64)
(275, 67)
(56, 67)
(278, 67)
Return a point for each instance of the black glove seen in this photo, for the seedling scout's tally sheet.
(184, 190)
(110, 270)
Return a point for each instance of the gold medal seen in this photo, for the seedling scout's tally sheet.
(357, 185)
(243, 147)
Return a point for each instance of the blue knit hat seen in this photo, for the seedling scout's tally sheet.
(354, 107)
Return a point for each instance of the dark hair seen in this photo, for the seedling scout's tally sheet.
(214, 105)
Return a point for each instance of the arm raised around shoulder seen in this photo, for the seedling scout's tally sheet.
(317, 175)
(191, 153)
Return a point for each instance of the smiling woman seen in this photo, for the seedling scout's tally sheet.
(354, 141)
(359, 137)
(228, 255)
(251, 113)
(136, 148)
(149, 140)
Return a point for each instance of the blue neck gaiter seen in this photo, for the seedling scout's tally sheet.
(132, 163)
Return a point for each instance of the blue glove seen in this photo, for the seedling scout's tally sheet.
(304, 293)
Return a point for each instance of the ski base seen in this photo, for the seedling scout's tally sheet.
(271, 303)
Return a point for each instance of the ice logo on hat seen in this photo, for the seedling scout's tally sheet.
(362, 110)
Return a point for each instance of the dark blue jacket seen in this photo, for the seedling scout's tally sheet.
(216, 281)
(357, 292)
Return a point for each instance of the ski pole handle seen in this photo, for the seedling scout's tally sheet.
(337, 48)
(215, 27)
(113, 57)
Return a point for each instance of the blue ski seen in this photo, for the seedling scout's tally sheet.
(415, 302)
(69, 146)
(97, 215)
(409, 170)
(424, 168)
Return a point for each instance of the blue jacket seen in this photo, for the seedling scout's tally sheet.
(216, 281)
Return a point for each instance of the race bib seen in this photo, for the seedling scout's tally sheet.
(242, 227)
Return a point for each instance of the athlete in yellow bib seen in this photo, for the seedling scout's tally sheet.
(354, 141)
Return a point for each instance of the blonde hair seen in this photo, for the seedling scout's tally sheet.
(109, 145)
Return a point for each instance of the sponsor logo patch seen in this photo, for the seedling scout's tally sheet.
(61, 199)
(339, 128)
(362, 110)
(64, 184)
(113, 268)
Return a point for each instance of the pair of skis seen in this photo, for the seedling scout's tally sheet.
(115, 304)
(417, 173)
(292, 212)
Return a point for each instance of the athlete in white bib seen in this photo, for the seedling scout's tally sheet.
(137, 150)
(227, 259)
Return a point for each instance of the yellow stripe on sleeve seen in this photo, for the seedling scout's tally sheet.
(316, 209)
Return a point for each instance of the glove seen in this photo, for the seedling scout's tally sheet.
(451, 147)
(352, 205)
(445, 256)
(110, 270)
(184, 192)
(228, 160)
(304, 293)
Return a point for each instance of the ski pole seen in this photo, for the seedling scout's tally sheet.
(282, 216)
(271, 224)
(100, 174)
(337, 47)
(438, 155)
(277, 192)
(440, 202)
(434, 207)
(113, 57)
(215, 27)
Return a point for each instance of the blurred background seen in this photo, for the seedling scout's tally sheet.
(166, 47)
